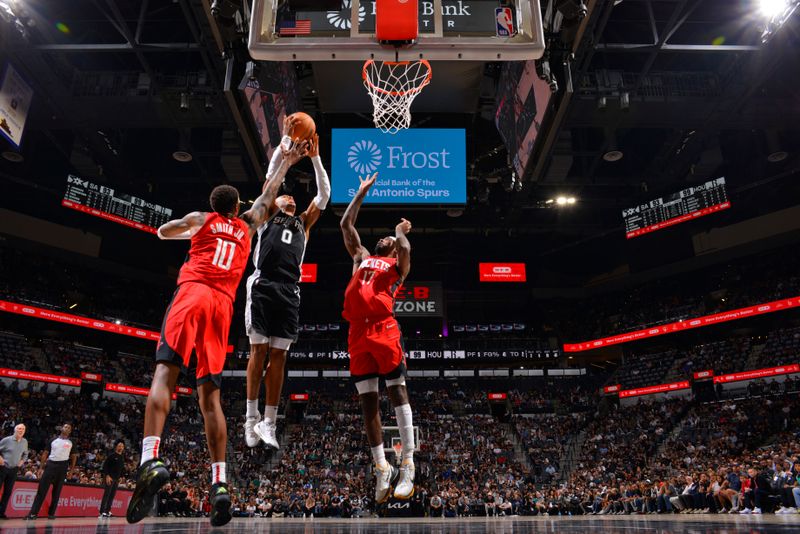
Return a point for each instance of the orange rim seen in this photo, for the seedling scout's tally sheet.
(375, 88)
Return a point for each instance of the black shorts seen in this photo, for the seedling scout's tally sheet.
(273, 311)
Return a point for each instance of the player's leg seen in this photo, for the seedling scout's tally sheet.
(385, 473)
(172, 356)
(283, 319)
(255, 374)
(255, 327)
(210, 346)
(387, 344)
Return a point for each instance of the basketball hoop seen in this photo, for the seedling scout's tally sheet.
(398, 450)
(393, 86)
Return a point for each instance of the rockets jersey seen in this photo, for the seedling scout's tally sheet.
(218, 255)
(370, 293)
(280, 249)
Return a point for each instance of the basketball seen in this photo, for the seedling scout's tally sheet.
(304, 126)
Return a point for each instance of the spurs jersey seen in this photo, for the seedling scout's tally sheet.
(218, 254)
(280, 249)
(370, 293)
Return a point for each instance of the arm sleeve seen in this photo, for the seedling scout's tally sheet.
(277, 156)
(323, 183)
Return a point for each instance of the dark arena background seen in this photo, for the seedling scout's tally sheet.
(601, 323)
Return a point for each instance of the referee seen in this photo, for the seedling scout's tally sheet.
(112, 470)
(59, 461)
(13, 453)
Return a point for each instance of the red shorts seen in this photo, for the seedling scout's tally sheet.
(198, 318)
(376, 349)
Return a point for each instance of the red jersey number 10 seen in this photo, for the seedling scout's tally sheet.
(223, 256)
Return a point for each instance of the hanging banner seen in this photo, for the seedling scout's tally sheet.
(15, 100)
(758, 373)
(651, 390)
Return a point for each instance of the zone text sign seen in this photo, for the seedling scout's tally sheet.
(415, 166)
(419, 299)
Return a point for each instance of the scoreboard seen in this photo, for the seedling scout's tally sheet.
(101, 201)
(685, 205)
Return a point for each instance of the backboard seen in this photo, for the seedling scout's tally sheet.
(391, 442)
(468, 30)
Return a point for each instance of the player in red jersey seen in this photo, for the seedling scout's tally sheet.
(199, 319)
(375, 343)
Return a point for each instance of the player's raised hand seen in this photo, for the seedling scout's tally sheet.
(297, 152)
(288, 125)
(366, 183)
(313, 146)
(404, 226)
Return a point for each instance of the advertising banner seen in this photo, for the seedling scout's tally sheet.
(415, 166)
(758, 373)
(502, 272)
(651, 390)
(77, 320)
(40, 377)
(74, 501)
(706, 320)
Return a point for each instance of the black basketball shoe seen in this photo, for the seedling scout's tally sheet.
(152, 475)
(220, 504)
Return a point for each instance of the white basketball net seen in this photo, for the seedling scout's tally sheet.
(393, 86)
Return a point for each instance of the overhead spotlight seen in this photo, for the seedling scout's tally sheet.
(561, 201)
(13, 157)
(184, 102)
(570, 200)
(209, 105)
(613, 153)
(453, 212)
(117, 321)
(625, 101)
(549, 201)
(602, 103)
(771, 8)
(775, 153)
(73, 306)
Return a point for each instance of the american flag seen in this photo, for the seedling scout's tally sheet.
(295, 27)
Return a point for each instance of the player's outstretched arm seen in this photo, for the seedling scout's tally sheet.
(319, 202)
(351, 239)
(260, 210)
(183, 228)
(277, 155)
(403, 247)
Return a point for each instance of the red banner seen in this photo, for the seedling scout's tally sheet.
(308, 273)
(758, 373)
(91, 377)
(108, 216)
(611, 389)
(650, 390)
(74, 501)
(680, 219)
(502, 272)
(77, 320)
(40, 377)
(298, 397)
(700, 375)
(133, 390)
(733, 315)
(497, 396)
(183, 390)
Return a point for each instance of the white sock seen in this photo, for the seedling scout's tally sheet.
(252, 408)
(149, 448)
(270, 413)
(405, 425)
(218, 473)
(379, 456)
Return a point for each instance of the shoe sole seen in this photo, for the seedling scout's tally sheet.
(264, 440)
(142, 503)
(392, 482)
(221, 513)
(404, 497)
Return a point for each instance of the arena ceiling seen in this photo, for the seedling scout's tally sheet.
(683, 88)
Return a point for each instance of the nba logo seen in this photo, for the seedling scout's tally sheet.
(505, 22)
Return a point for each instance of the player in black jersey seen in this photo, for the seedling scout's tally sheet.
(273, 297)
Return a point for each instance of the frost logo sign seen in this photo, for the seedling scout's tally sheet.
(424, 166)
(364, 157)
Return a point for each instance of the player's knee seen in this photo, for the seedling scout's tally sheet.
(277, 356)
(259, 351)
